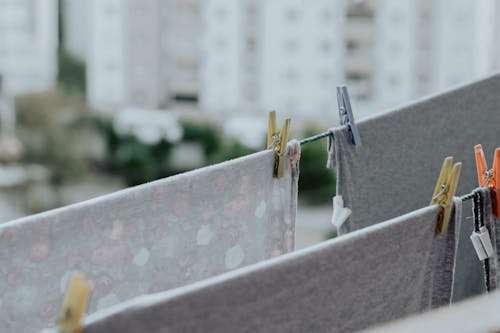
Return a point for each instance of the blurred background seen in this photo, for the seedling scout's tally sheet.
(99, 95)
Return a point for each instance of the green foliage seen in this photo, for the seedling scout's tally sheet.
(316, 182)
(203, 133)
(47, 127)
(71, 73)
(137, 162)
(231, 149)
(132, 159)
(331, 234)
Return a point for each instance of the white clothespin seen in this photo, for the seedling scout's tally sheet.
(482, 243)
(340, 213)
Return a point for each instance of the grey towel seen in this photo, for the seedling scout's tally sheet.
(146, 239)
(477, 315)
(380, 273)
(396, 169)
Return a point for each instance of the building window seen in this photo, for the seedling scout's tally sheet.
(110, 10)
(292, 15)
(326, 46)
(393, 80)
(139, 97)
(220, 42)
(250, 44)
(326, 15)
(220, 13)
(139, 72)
(222, 71)
(110, 67)
(397, 18)
(395, 48)
(291, 75)
(291, 105)
(325, 76)
(291, 45)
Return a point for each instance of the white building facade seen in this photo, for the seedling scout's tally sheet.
(250, 56)
(106, 57)
(28, 45)
(76, 27)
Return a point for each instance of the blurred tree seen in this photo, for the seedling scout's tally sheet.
(316, 182)
(231, 149)
(48, 128)
(204, 134)
(128, 157)
(71, 73)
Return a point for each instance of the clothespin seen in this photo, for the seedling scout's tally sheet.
(74, 304)
(277, 141)
(482, 243)
(346, 115)
(491, 177)
(444, 191)
(340, 213)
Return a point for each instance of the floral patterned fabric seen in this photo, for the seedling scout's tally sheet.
(146, 239)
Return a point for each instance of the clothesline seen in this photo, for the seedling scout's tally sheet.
(316, 137)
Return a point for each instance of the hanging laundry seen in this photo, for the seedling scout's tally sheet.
(380, 273)
(486, 237)
(147, 239)
(394, 171)
(478, 315)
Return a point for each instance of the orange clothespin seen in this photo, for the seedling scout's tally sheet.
(444, 191)
(489, 177)
(277, 141)
(74, 304)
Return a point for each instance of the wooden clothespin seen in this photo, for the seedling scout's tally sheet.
(346, 115)
(489, 177)
(74, 304)
(277, 141)
(444, 191)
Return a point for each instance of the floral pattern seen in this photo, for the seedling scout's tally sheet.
(146, 239)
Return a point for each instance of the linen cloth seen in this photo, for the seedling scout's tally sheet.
(370, 276)
(395, 170)
(146, 239)
(476, 315)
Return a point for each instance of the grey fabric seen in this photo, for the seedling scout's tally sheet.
(476, 315)
(146, 239)
(396, 169)
(492, 223)
(370, 276)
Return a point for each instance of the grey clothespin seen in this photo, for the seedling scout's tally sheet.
(346, 116)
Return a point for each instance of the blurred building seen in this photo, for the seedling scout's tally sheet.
(181, 29)
(256, 55)
(301, 56)
(106, 54)
(28, 45)
(76, 27)
(143, 53)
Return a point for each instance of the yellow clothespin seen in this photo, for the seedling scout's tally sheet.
(446, 187)
(277, 141)
(74, 304)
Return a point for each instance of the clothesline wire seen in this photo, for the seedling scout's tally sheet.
(467, 197)
(316, 137)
